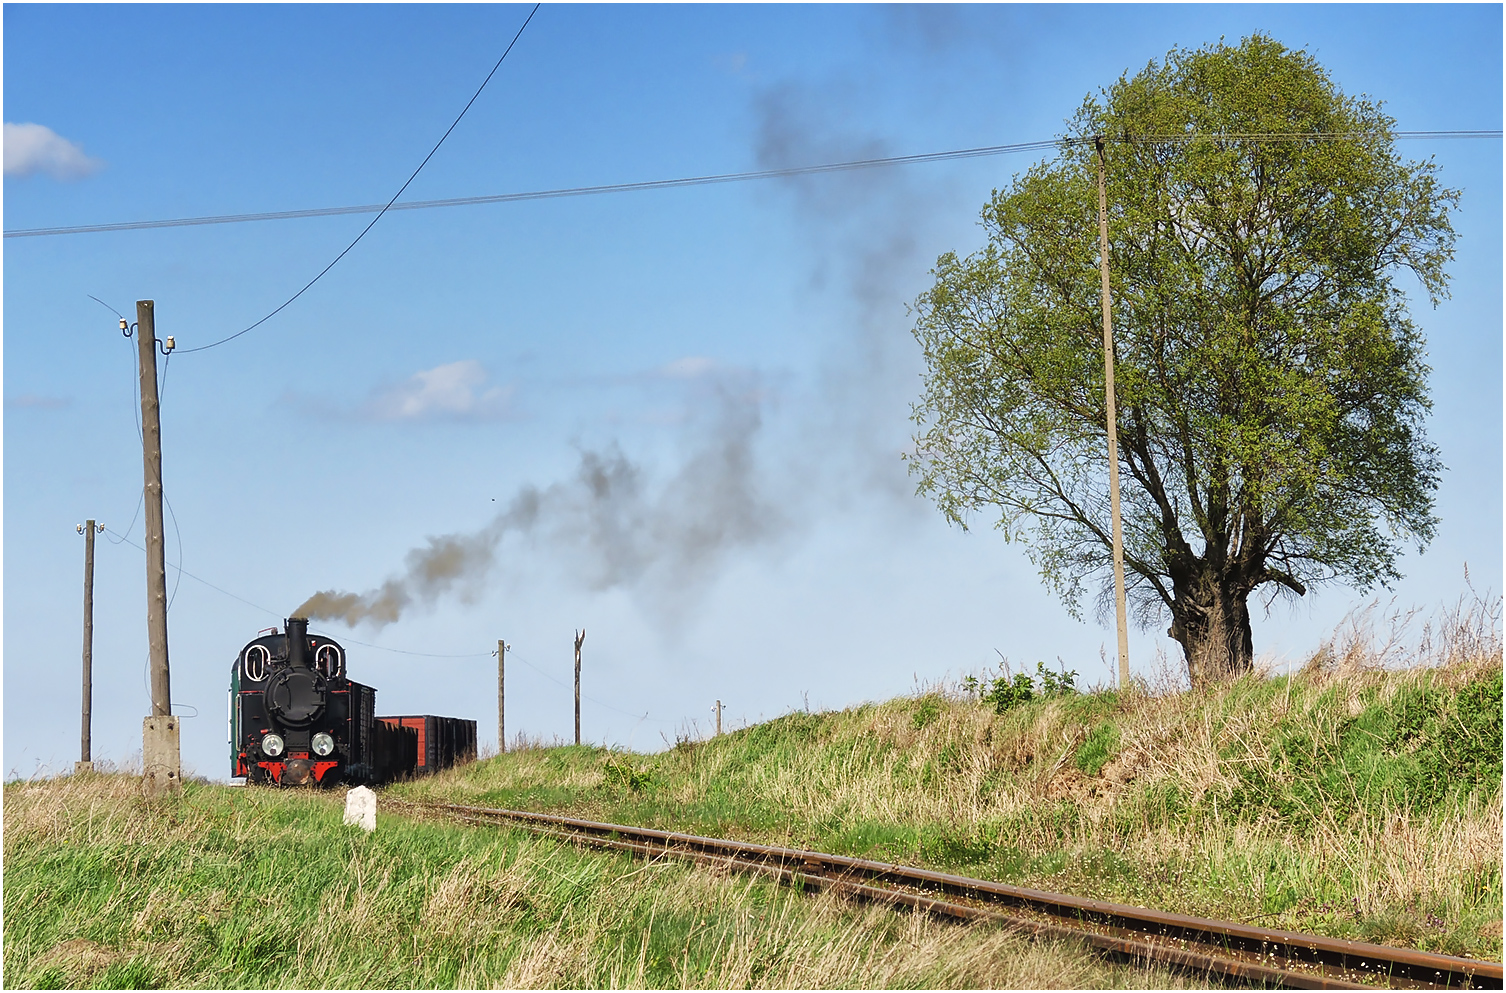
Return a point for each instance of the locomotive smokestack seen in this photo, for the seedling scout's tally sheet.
(298, 641)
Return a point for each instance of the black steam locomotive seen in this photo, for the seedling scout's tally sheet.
(296, 720)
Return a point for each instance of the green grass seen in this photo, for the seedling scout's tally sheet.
(259, 888)
(1359, 802)
(1347, 799)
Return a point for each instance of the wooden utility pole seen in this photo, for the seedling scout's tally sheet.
(1112, 417)
(159, 736)
(718, 709)
(580, 638)
(85, 756)
(501, 698)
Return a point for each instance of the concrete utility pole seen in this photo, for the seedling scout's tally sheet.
(501, 698)
(159, 734)
(86, 759)
(580, 638)
(1113, 417)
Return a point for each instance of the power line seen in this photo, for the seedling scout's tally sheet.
(122, 539)
(426, 655)
(389, 203)
(111, 309)
(1295, 136)
(573, 191)
(729, 177)
(642, 717)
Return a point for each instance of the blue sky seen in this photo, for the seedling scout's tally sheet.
(738, 356)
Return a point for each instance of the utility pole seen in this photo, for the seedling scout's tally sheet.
(718, 709)
(1112, 417)
(580, 638)
(501, 698)
(159, 734)
(86, 759)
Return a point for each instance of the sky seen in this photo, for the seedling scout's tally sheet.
(672, 418)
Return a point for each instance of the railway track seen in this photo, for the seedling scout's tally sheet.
(1262, 956)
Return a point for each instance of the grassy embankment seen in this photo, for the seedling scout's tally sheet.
(257, 888)
(1349, 798)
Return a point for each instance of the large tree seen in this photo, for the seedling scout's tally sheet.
(1271, 385)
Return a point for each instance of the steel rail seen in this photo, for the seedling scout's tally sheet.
(1262, 955)
(1130, 946)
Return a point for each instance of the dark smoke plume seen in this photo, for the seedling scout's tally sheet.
(864, 231)
(612, 528)
(664, 543)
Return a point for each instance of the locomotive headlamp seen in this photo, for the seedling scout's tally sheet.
(272, 745)
(323, 744)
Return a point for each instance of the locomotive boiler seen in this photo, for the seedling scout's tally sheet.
(297, 719)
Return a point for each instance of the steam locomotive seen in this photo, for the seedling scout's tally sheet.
(296, 720)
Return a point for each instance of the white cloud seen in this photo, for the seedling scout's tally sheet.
(33, 148)
(454, 392)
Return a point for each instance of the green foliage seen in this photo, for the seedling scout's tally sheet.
(1054, 684)
(619, 773)
(1422, 750)
(1270, 383)
(1006, 692)
(1097, 748)
(927, 712)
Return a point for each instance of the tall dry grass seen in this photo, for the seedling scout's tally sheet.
(1257, 799)
(260, 888)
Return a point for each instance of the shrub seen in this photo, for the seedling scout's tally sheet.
(1007, 691)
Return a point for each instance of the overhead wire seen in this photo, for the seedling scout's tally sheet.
(574, 191)
(177, 533)
(427, 655)
(1192, 136)
(399, 651)
(386, 207)
(167, 365)
(123, 539)
(179, 536)
(642, 717)
(787, 172)
(111, 309)
(717, 178)
(136, 413)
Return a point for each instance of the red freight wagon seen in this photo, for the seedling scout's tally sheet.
(442, 741)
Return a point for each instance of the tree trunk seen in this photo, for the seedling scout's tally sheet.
(1211, 621)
